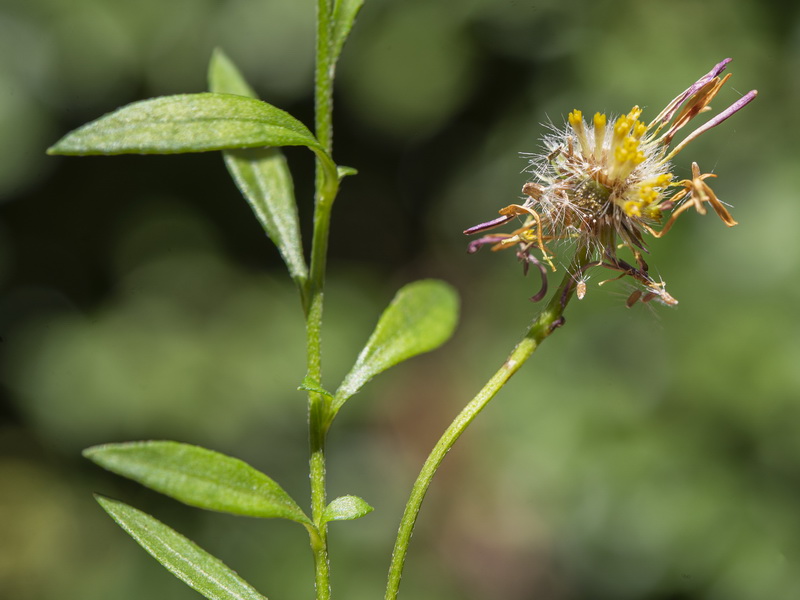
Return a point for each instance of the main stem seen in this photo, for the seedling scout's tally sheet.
(323, 202)
(548, 321)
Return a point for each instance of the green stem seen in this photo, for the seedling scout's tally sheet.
(323, 84)
(326, 189)
(318, 404)
(548, 320)
(319, 547)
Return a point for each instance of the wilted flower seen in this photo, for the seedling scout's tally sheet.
(605, 183)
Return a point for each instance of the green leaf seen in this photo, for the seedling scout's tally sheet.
(198, 477)
(310, 386)
(187, 123)
(346, 508)
(262, 176)
(183, 558)
(421, 317)
(344, 17)
(346, 171)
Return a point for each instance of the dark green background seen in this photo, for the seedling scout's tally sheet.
(643, 454)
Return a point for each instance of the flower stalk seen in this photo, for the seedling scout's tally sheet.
(550, 319)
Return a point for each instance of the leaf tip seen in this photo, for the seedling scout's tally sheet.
(105, 502)
(56, 149)
(91, 452)
(219, 59)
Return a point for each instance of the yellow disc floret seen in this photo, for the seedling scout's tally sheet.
(626, 156)
(599, 121)
(599, 134)
(633, 208)
(647, 194)
(575, 119)
(644, 197)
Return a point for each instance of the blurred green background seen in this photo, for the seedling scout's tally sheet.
(643, 454)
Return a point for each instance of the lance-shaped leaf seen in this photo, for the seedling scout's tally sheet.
(198, 477)
(262, 176)
(346, 508)
(183, 558)
(188, 123)
(420, 318)
(344, 17)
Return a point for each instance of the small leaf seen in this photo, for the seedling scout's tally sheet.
(310, 386)
(183, 558)
(262, 176)
(344, 17)
(346, 508)
(198, 477)
(188, 123)
(346, 171)
(421, 317)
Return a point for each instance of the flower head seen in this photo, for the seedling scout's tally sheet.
(606, 183)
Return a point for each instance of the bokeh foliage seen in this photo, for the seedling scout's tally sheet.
(641, 454)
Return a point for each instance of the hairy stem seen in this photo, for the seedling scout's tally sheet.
(323, 76)
(548, 321)
(318, 404)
